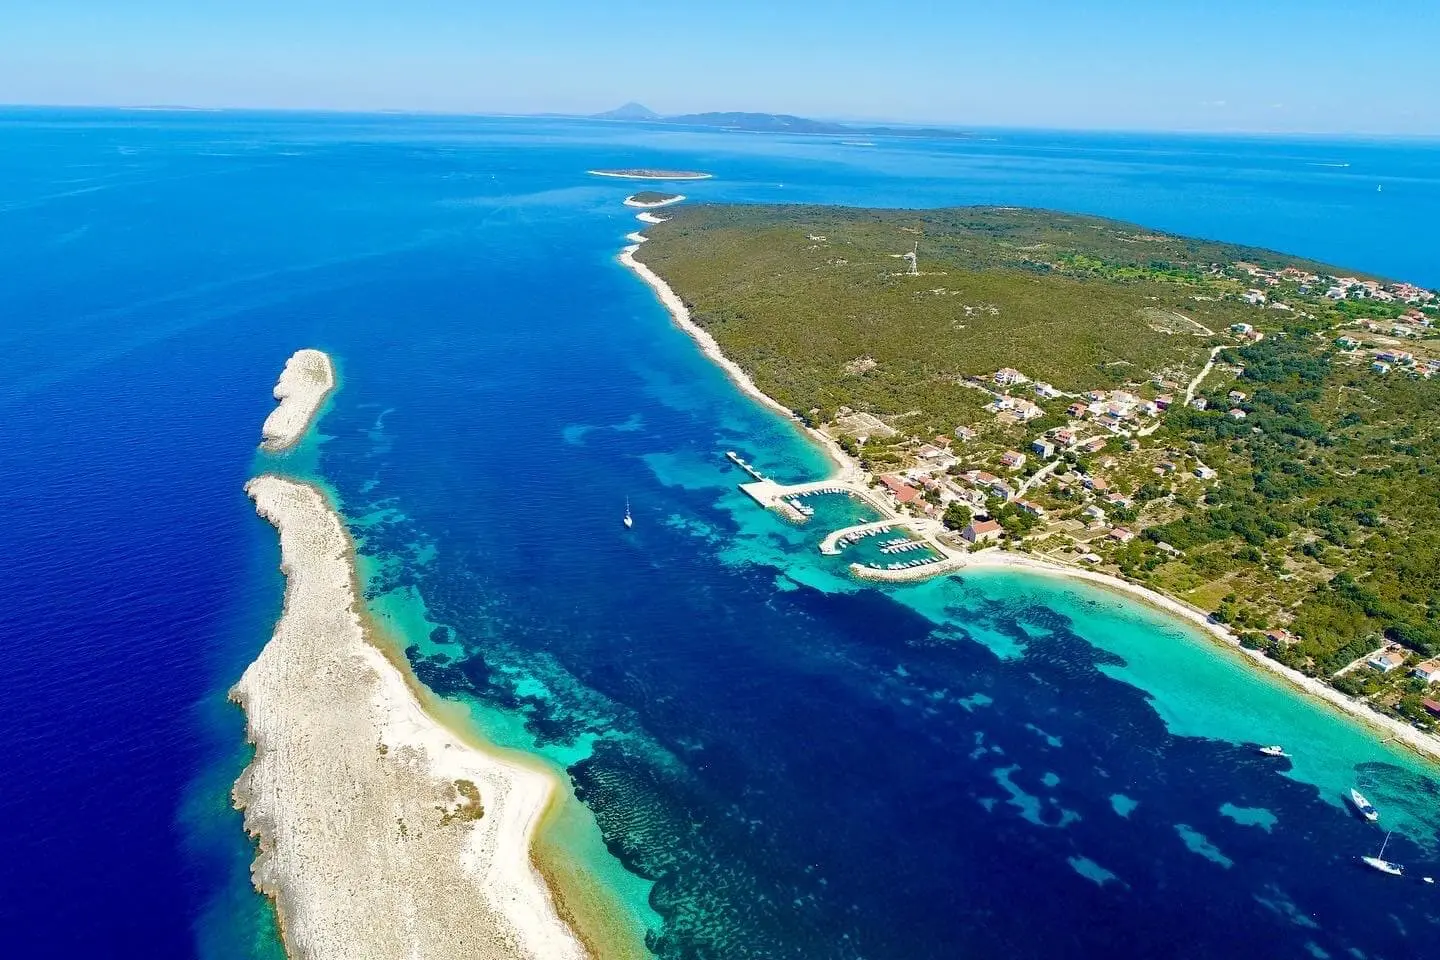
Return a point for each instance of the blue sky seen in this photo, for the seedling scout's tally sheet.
(1261, 65)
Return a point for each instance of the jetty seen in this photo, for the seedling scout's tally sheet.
(842, 538)
(770, 494)
(922, 568)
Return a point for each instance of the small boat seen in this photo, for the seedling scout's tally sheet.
(1378, 862)
(1274, 751)
(1363, 807)
(629, 520)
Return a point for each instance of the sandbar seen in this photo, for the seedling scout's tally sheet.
(306, 381)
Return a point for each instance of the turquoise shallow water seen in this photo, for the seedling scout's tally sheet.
(774, 760)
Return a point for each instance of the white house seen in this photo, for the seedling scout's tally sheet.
(1429, 671)
(1386, 660)
(1024, 411)
(1008, 376)
(1046, 392)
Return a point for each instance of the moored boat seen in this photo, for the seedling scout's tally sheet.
(1274, 751)
(1378, 862)
(1363, 806)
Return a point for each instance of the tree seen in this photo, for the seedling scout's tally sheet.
(957, 516)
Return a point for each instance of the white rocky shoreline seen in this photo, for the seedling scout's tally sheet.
(306, 381)
(381, 834)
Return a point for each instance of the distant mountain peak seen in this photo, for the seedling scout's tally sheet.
(630, 111)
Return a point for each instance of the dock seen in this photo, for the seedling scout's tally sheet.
(744, 464)
(842, 538)
(920, 533)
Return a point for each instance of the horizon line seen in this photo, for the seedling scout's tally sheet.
(596, 118)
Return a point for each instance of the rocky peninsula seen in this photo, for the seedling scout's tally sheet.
(306, 381)
(380, 833)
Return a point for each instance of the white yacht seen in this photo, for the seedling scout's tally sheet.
(1363, 807)
(1378, 862)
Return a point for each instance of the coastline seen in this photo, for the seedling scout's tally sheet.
(846, 470)
(1395, 730)
(308, 378)
(429, 852)
(849, 471)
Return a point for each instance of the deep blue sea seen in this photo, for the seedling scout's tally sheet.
(770, 760)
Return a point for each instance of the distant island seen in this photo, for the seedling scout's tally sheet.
(1244, 437)
(776, 123)
(648, 173)
(653, 198)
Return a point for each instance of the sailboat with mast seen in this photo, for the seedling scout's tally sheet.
(629, 520)
(1378, 862)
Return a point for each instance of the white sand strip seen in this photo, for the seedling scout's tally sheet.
(358, 798)
(306, 381)
(846, 469)
(648, 217)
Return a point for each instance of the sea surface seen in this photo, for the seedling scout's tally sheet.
(773, 760)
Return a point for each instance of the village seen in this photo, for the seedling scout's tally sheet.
(1410, 314)
(1074, 477)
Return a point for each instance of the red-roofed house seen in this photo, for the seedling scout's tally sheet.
(980, 531)
(902, 490)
